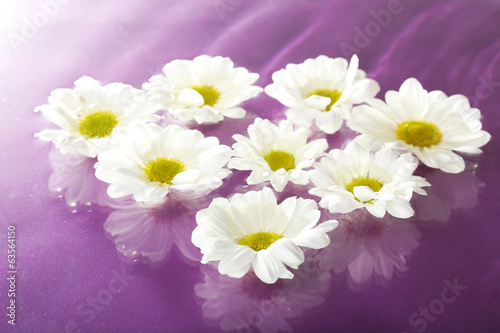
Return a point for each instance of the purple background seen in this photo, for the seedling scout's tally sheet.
(65, 257)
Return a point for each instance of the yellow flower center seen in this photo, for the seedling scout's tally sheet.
(278, 159)
(210, 94)
(374, 184)
(419, 133)
(163, 170)
(97, 124)
(259, 240)
(334, 96)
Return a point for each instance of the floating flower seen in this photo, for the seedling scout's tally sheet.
(276, 153)
(355, 177)
(205, 89)
(430, 125)
(149, 162)
(89, 113)
(323, 89)
(252, 231)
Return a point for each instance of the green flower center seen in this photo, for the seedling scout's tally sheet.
(259, 240)
(97, 124)
(210, 94)
(278, 159)
(374, 184)
(163, 170)
(419, 133)
(334, 96)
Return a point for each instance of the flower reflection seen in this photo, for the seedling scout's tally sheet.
(146, 233)
(73, 177)
(447, 192)
(369, 249)
(250, 305)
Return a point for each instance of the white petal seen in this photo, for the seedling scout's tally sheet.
(351, 71)
(341, 205)
(316, 238)
(364, 193)
(301, 116)
(317, 102)
(279, 180)
(215, 248)
(377, 209)
(286, 251)
(233, 112)
(152, 193)
(266, 267)
(400, 209)
(190, 97)
(237, 262)
(329, 122)
(188, 176)
(299, 177)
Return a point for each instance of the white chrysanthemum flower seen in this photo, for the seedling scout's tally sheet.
(149, 162)
(88, 114)
(252, 231)
(429, 124)
(355, 177)
(322, 89)
(276, 153)
(205, 89)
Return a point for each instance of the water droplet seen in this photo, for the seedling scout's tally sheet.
(73, 204)
(59, 189)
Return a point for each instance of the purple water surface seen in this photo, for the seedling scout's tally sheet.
(66, 260)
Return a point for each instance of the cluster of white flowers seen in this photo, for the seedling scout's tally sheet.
(117, 125)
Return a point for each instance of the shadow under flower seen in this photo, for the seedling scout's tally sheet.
(146, 233)
(250, 305)
(369, 249)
